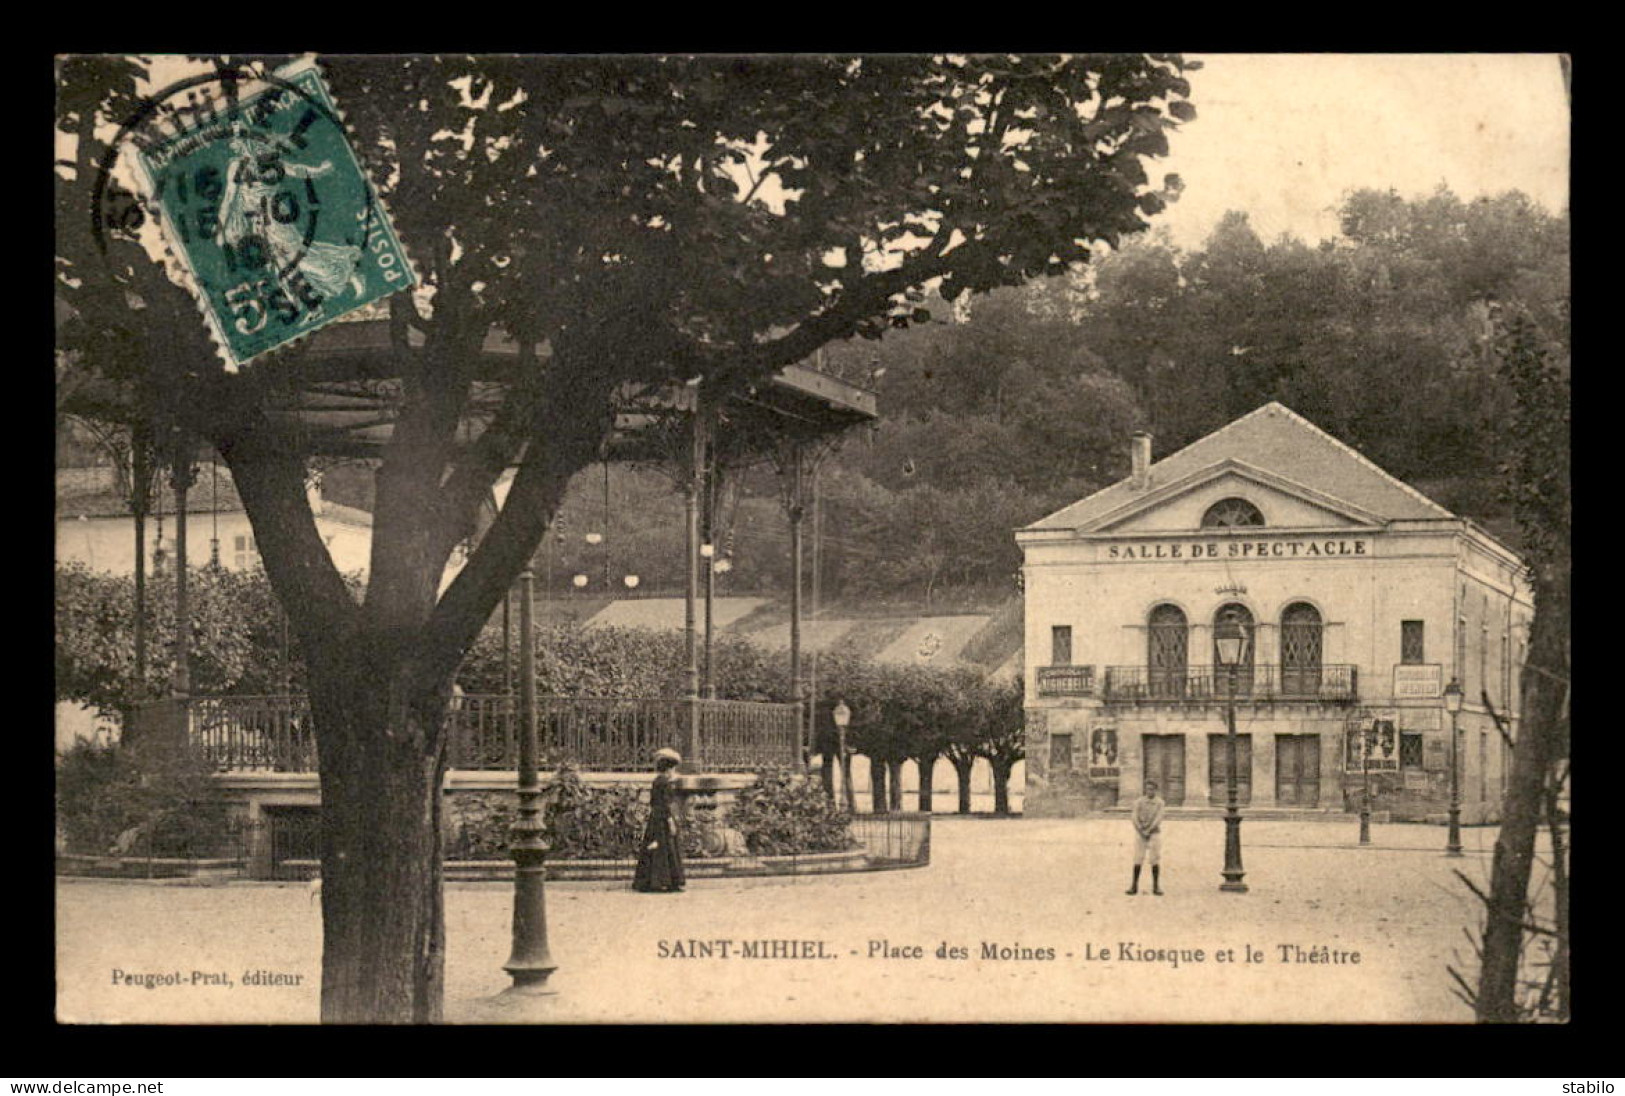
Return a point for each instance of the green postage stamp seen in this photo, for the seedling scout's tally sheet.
(263, 201)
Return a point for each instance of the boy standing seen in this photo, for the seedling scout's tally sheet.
(1147, 818)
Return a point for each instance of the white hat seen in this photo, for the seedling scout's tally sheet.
(666, 753)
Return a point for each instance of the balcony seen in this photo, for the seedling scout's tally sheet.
(274, 733)
(1066, 681)
(1258, 684)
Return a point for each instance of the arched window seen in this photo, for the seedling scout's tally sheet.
(1167, 651)
(1301, 649)
(1231, 513)
(1243, 616)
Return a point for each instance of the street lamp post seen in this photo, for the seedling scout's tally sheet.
(708, 552)
(1452, 704)
(1365, 777)
(841, 715)
(531, 963)
(1230, 643)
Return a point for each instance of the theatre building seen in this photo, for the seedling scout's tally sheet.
(1360, 600)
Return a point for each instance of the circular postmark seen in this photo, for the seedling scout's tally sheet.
(259, 196)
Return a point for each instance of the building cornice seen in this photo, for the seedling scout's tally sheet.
(1237, 467)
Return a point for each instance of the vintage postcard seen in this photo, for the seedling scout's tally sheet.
(797, 538)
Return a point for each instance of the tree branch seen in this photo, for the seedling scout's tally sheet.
(482, 462)
(565, 436)
(411, 542)
(268, 470)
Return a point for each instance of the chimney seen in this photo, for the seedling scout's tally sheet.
(1139, 453)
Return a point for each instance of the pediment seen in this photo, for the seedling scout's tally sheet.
(1179, 506)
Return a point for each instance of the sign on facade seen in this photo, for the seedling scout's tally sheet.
(1420, 719)
(1418, 680)
(1240, 549)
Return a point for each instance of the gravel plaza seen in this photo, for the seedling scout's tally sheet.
(1034, 906)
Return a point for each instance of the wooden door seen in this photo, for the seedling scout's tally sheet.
(1165, 763)
(1218, 769)
(1297, 770)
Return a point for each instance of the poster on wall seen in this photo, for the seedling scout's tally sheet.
(1103, 751)
(1371, 742)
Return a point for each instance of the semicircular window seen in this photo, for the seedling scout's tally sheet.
(1231, 513)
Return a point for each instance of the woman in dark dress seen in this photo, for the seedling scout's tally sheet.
(660, 861)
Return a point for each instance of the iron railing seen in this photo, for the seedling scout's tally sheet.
(253, 733)
(1325, 684)
(1066, 681)
(741, 735)
(894, 840)
(595, 734)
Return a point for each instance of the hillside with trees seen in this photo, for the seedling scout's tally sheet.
(1006, 407)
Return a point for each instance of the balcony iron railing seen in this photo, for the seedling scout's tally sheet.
(275, 733)
(1066, 681)
(1324, 684)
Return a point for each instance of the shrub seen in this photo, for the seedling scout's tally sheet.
(146, 799)
(236, 641)
(785, 812)
(479, 825)
(782, 813)
(588, 823)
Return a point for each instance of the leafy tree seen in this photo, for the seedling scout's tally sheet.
(1536, 363)
(1003, 739)
(627, 221)
(1382, 336)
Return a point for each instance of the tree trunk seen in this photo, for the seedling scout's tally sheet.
(894, 772)
(877, 786)
(962, 770)
(1556, 825)
(926, 765)
(1543, 688)
(1001, 785)
(382, 769)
